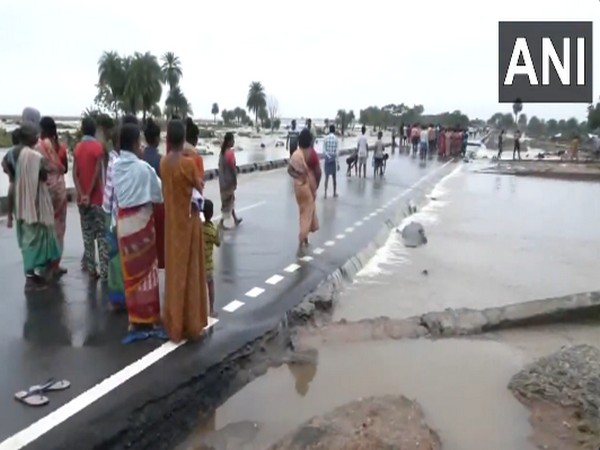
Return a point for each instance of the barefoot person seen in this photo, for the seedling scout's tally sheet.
(55, 155)
(228, 180)
(305, 187)
(137, 188)
(212, 239)
(34, 213)
(362, 150)
(186, 307)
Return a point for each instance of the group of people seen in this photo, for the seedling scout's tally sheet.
(427, 140)
(143, 210)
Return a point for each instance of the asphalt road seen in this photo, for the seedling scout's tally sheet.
(67, 332)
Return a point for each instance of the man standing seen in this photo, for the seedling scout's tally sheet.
(87, 177)
(362, 149)
(291, 143)
(500, 143)
(517, 145)
(330, 148)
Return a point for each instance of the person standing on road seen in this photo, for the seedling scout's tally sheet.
(500, 143)
(313, 133)
(55, 155)
(228, 181)
(212, 239)
(291, 142)
(332, 165)
(137, 188)
(378, 156)
(87, 177)
(34, 213)
(415, 134)
(517, 144)
(152, 157)
(362, 150)
(186, 307)
(424, 143)
(305, 187)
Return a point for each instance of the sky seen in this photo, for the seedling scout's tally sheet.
(314, 57)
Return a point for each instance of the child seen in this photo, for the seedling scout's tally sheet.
(211, 239)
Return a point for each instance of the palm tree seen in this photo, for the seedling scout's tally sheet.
(112, 79)
(517, 108)
(214, 111)
(176, 103)
(143, 89)
(257, 100)
(171, 69)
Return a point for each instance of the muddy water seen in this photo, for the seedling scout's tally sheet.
(493, 240)
(461, 385)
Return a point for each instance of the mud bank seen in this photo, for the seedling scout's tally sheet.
(561, 170)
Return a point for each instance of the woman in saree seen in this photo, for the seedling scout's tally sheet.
(116, 288)
(34, 213)
(186, 307)
(153, 157)
(55, 155)
(305, 186)
(136, 188)
(228, 180)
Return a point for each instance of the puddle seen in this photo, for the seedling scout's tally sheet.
(461, 385)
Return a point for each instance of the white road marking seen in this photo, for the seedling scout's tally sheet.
(274, 280)
(340, 236)
(82, 401)
(330, 243)
(349, 230)
(358, 223)
(245, 208)
(380, 210)
(318, 251)
(373, 214)
(254, 292)
(291, 268)
(233, 306)
(307, 258)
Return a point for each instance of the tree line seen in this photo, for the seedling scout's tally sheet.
(264, 107)
(134, 83)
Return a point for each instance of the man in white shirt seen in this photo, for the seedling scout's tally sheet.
(330, 149)
(424, 146)
(362, 150)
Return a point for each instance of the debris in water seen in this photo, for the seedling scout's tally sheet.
(425, 272)
(413, 235)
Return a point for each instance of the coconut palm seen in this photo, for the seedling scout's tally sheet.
(143, 89)
(177, 104)
(517, 108)
(171, 69)
(112, 79)
(257, 99)
(214, 111)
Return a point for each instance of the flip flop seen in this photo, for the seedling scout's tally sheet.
(159, 333)
(51, 385)
(31, 398)
(135, 336)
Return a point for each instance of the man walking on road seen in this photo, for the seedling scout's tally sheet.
(291, 143)
(362, 148)
(330, 149)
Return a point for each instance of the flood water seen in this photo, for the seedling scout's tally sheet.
(461, 385)
(493, 240)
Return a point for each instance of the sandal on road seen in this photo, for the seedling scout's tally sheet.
(52, 385)
(32, 398)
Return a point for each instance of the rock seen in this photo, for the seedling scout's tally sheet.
(459, 322)
(413, 235)
(383, 423)
(569, 377)
(562, 391)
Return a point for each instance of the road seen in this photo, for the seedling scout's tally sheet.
(67, 332)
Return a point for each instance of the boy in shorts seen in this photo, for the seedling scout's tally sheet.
(211, 240)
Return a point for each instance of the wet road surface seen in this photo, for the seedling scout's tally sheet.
(67, 332)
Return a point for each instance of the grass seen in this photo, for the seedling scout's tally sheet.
(5, 138)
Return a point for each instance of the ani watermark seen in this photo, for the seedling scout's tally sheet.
(545, 62)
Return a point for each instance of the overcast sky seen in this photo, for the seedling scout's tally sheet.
(314, 56)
